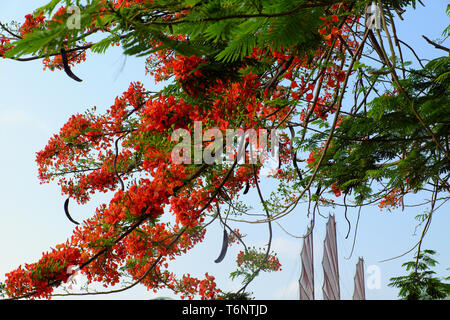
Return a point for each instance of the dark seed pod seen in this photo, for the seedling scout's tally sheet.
(247, 187)
(67, 67)
(66, 210)
(224, 247)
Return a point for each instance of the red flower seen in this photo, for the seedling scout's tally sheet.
(335, 189)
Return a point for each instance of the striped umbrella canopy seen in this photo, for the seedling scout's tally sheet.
(359, 292)
(330, 288)
(307, 276)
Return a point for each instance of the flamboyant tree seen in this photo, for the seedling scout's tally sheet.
(356, 123)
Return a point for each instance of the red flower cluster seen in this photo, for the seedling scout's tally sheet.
(335, 189)
(32, 22)
(391, 200)
(190, 286)
(313, 156)
(73, 58)
(252, 260)
(5, 45)
(39, 278)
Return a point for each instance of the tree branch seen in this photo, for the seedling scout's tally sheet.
(436, 45)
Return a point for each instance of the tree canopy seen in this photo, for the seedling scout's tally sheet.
(355, 125)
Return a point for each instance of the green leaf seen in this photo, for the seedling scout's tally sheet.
(49, 7)
(35, 42)
(104, 44)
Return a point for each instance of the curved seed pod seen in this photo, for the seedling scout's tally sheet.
(67, 67)
(66, 210)
(224, 247)
(247, 187)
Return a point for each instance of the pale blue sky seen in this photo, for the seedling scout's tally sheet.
(35, 104)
